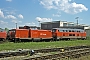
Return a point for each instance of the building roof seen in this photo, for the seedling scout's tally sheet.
(64, 22)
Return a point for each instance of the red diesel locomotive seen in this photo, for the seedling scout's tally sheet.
(29, 34)
(3, 35)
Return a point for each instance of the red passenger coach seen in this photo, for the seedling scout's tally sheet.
(67, 34)
(3, 35)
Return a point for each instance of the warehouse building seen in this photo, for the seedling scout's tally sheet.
(61, 24)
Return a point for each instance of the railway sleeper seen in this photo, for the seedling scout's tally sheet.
(38, 58)
(29, 58)
(50, 56)
(2, 55)
(54, 59)
(45, 57)
(85, 53)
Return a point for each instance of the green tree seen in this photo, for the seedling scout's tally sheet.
(6, 29)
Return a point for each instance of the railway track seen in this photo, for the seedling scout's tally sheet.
(61, 55)
(43, 54)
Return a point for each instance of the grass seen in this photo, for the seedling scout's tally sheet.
(40, 45)
(88, 37)
(83, 58)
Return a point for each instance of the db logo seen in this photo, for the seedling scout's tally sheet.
(42, 34)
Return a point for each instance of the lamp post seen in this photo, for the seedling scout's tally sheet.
(16, 25)
(77, 20)
(39, 24)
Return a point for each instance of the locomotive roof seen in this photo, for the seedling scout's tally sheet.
(17, 29)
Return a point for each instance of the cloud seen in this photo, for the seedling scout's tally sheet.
(81, 19)
(11, 12)
(63, 5)
(16, 21)
(58, 14)
(10, 17)
(43, 19)
(2, 22)
(7, 17)
(1, 14)
(20, 16)
(9, 0)
(30, 24)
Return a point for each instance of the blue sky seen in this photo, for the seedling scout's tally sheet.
(29, 12)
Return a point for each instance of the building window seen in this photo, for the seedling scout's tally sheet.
(64, 24)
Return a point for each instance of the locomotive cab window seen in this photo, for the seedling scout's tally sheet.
(13, 31)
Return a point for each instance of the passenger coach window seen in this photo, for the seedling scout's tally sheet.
(69, 30)
(58, 30)
(66, 31)
(72, 30)
(73, 34)
(54, 30)
(70, 34)
(63, 31)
